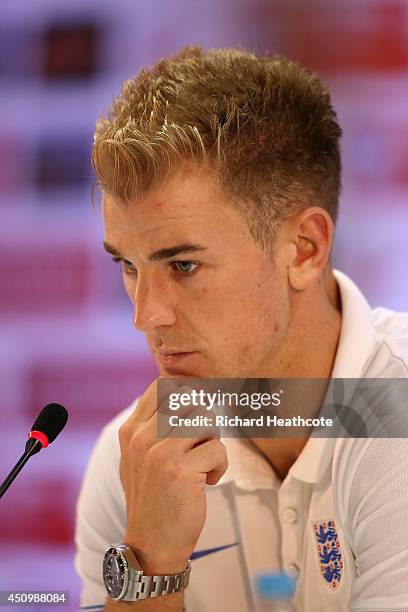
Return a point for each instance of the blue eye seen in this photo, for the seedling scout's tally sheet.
(128, 266)
(182, 265)
(125, 265)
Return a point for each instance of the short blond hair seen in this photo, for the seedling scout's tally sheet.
(265, 125)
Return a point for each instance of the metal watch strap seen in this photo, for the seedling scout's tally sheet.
(142, 587)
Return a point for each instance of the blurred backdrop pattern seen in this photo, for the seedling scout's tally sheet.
(66, 331)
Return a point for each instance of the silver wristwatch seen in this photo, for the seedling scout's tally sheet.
(124, 578)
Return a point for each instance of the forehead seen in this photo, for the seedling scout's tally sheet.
(190, 201)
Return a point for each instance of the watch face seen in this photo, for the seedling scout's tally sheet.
(115, 573)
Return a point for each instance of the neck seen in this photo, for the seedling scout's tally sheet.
(309, 352)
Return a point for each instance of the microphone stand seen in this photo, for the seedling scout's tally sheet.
(33, 446)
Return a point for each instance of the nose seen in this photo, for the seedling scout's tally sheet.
(153, 302)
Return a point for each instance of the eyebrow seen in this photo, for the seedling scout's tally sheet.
(162, 254)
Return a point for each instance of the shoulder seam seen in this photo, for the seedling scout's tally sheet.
(391, 350)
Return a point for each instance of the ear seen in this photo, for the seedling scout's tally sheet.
(311, 233)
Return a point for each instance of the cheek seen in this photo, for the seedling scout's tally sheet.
(244, 313)
(240, 320)
(263, 315)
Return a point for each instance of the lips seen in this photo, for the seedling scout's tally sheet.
(172, 358)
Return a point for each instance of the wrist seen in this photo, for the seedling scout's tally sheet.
(154, 564)
(126, 579)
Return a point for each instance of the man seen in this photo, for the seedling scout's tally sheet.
(220, 175)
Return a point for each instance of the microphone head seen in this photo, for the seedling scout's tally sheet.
(51, 421)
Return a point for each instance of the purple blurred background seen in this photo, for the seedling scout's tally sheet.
(66, 329)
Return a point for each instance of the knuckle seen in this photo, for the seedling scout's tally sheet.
(138, 442)
(169, 472)
(220, 452)
(174, 470)
(124, 436)
(156, 454)
(124, 431)
(180, 469)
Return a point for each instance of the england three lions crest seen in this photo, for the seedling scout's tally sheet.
(329, 553)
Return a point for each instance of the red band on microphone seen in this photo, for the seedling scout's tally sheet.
(40, 436)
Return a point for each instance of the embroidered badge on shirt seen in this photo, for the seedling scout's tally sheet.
(329, 553)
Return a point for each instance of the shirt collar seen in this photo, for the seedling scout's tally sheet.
(354, 347)
(247, 466)
(357, 332)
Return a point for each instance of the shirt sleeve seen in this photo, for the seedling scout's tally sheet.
(376, 520)
(100, 513)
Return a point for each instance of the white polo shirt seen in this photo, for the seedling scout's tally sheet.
(340, 517)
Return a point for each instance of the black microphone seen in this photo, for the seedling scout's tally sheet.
(47, 426)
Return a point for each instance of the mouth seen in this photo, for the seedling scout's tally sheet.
(172, 358)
